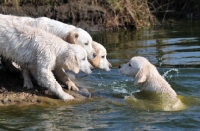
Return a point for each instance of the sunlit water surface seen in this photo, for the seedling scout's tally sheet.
(174, 49)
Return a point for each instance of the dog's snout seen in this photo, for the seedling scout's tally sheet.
(94, 55)
(119, 66)
(92, 68)
(110, 66)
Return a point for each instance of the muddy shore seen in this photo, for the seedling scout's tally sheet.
(13, 93)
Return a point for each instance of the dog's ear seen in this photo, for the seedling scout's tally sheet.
(95, 62)
(141, 75)
(71, 37)
(94, 46)
(73, 64)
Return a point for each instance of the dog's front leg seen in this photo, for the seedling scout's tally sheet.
(45, 78)
(62, 76)
(27, 79)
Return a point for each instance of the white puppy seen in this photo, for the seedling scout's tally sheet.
(67, 32)
(70, 34)
(146, 74)
(40, 52)
(100, 60)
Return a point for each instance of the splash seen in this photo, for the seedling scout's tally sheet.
(120, 87)
(167, 74)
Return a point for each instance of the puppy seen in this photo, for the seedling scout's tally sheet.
(75, 35)
(100, 60)
(67, 32)
(146, 75)
(41, 52)
(70, 34)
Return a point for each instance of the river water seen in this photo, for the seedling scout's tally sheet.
(174, 49)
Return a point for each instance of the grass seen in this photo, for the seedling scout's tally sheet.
(120, 13)
(131, 12)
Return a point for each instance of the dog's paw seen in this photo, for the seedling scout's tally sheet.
(72, 86)
(67, 97)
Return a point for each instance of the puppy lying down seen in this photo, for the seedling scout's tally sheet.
(155, 92)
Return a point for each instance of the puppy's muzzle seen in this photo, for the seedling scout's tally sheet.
(92, 68)
(110, 66)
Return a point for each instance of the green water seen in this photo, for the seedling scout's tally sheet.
(174, 49)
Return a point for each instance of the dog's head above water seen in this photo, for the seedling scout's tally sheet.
(137, 67)
(146, 74)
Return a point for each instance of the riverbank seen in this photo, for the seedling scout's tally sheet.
(13, 93)
(91, 15)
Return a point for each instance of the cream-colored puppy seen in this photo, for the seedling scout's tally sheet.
(67, 32)
(40, 52)
(146, 75)
(70, 34)
(100, 60)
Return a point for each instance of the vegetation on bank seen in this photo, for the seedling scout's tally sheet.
(112, 14)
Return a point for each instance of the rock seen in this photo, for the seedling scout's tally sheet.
(13, 93)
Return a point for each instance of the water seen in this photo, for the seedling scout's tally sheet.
(174, 49)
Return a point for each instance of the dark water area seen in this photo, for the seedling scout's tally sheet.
(174, 49)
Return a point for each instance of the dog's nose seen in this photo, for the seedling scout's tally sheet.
(94, 55)
(120, 66)
(110, 66)
(92, 68)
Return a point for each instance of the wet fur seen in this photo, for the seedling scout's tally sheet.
(70, 34)
(40, 52)
(147, 76)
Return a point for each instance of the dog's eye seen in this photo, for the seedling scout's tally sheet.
(129, 64)
(83, 58)
(86, 43)
(102, 56)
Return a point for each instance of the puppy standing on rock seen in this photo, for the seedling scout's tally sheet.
(70, 34)
(40, 52)
(146, 75)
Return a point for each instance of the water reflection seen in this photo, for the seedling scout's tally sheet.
(176, 47)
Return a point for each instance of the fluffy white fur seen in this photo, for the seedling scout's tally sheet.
(40, 52)
(100, 60)
(146, 74)
(67, 32)
(70, 34)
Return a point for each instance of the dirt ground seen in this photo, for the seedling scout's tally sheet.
(13, 93)
(91, 15)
